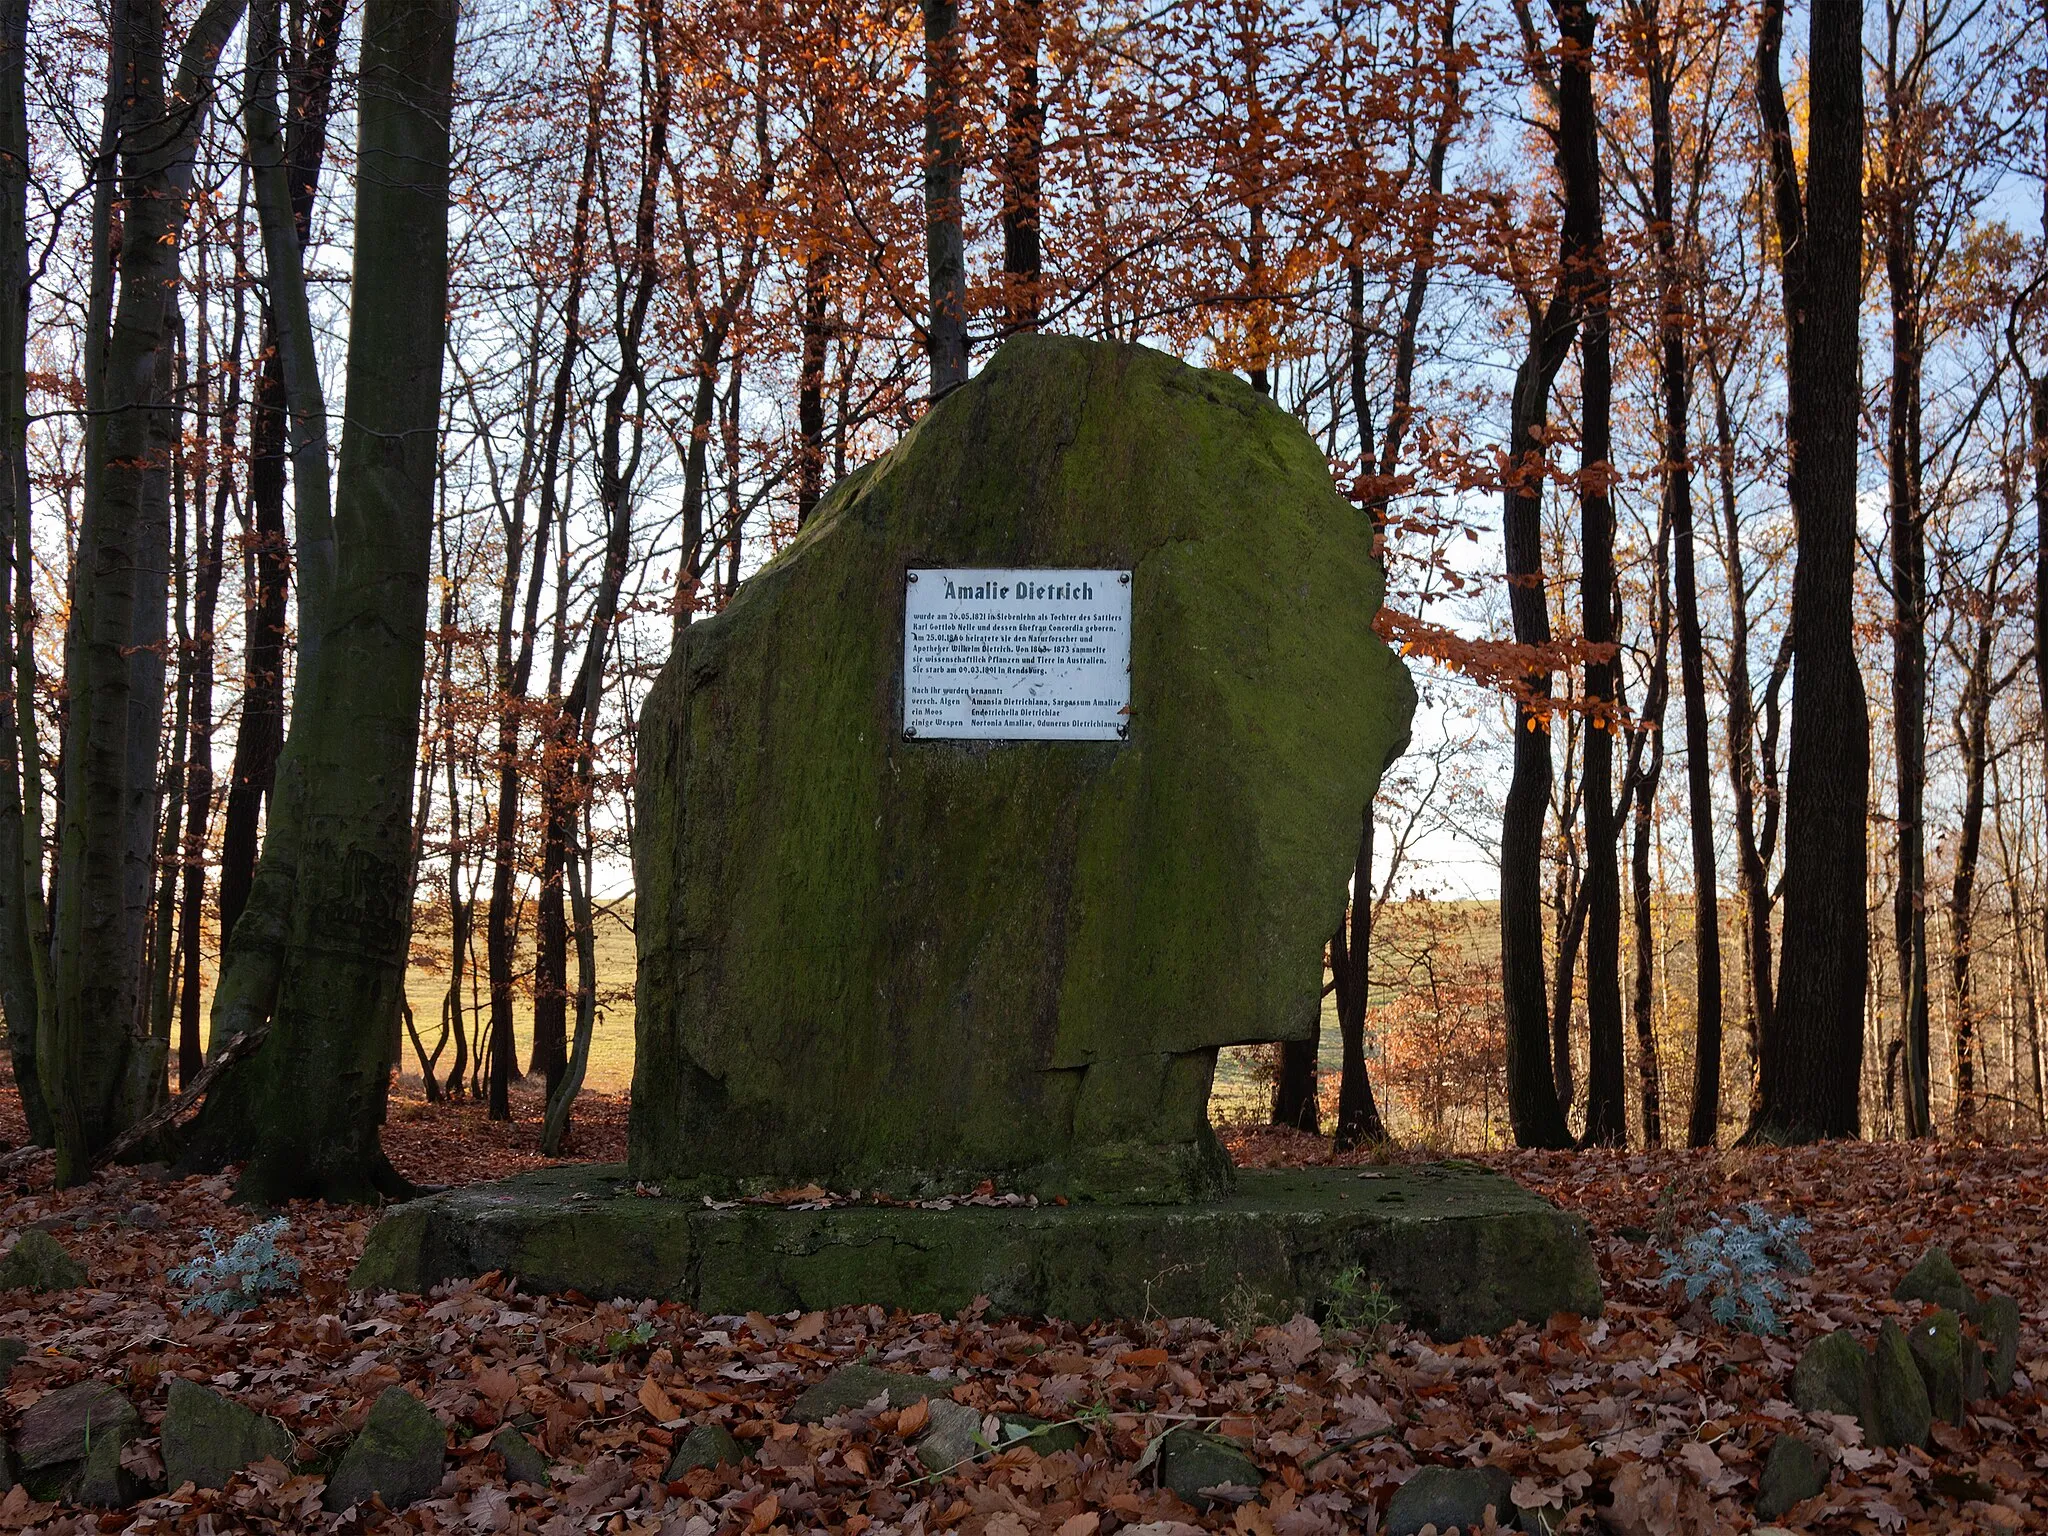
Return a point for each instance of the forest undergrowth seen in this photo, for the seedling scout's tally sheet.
(1653, 1419)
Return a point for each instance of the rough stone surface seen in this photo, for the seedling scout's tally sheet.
(11, 1353)
(855, 1386)
(1936, 1279)
(1950, 1364)
(1192, 1463)
(1041, 1435)
(1901, 1413)
(1835, 1375)
(398, 1456)
(1998, 1320)
(955, 1437)
(102, 1482)
(1460, 1249)
(10, 1470)
(910, 965)
(38, 1262)
(523, 1461)
(62, 1426)
(1793, 1472)
(207, 1438)
(708, 1445)
(1448, 1496)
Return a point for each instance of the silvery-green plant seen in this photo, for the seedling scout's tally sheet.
(1736, 1264)
(238, 1276)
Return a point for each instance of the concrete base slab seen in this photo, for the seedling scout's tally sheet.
(1458, 1248)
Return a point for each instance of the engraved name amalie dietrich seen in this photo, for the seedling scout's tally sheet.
(1022, 592)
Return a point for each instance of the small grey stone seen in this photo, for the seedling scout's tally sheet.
(1191, 1463)
(12, 1351)
(1951, 1365)
(523, 1460)
(208, 1438)
(1936, 1279)
(1794, 1471)
(1835, 1375)
(1998, 1320)
(954, 1437)
(38, 1262)
(1450, 1496)
(707, 1445)
(147, 1215)
(398, 1456)
(853, 1386)
(1902, 1414)
(65, 1425)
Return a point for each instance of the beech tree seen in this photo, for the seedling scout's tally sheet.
(1810, 1071)
(318, 959)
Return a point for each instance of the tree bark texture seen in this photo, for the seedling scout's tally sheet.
(100, 1068)
(24, 982)
(1811, 1068)
(944, 242)
(321, 951)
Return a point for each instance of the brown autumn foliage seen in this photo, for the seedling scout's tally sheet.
(1651, 1420)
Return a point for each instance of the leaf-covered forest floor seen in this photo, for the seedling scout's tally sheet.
(1653, 1419)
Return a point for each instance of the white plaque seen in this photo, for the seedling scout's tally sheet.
(1017, 655)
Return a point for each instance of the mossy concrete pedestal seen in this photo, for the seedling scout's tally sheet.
(1458, 1248)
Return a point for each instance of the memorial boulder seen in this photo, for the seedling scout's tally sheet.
(1030, 774)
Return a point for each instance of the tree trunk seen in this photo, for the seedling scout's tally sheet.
(1674, 379)
(1533, 1108)
(1648, 1075)
(99, 1069)
(1023, 150)
(810, 390)
(268, 562)
(1898, 194)
(944, 243)
(515, 674)
(24, 925)
(320, 955)
(1811, 1071)
(1358, 1112)
(1586, 258)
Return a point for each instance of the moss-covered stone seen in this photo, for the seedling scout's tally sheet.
(69, 1444)
(1836, 1375)
(881, 963)
(1936, 1279)
(855, 1386)
(1901, 1414)
(1451, 1496)
(398, 1456)
(1793, 1472)
(707, 1445)
(1951, 1364)
(523, 1461)
(1458, 1248)
(207, 1438)
(38, 1262)
(1998, 1321)
(1194, 1463)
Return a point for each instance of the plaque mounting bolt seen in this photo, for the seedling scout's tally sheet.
(1123, 579)
(910, 733)
(910, 575)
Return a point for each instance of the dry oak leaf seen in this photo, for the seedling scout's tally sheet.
(657, 1403)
